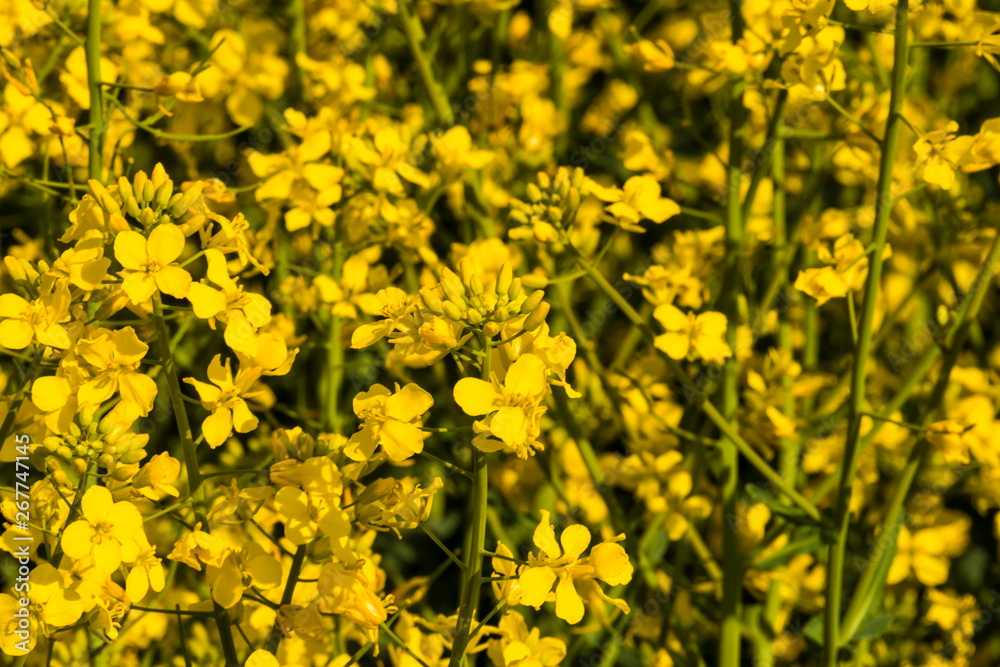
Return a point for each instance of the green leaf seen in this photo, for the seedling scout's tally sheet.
(874, 627)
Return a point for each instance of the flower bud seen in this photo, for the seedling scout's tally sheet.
(452, 311)
(534, 194)
(124, 188)
(537, 316)
(187, 200)
(133, 456)
(515, 289)
(544, 182)
(163, 194)
(534, 281)
(532, 301)
(148, 190)
(132, 207)
(504, 279)
(475, 317)
(431, 300)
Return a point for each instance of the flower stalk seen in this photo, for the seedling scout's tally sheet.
(883, 205)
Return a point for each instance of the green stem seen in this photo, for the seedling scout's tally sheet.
(955, 339)
(94, 84)
(477, 539)
(177, 401)
(274, 638)
(334, 351)
(835, 561)
(414, 36)
(732, 564)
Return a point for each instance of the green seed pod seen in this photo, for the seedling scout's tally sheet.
(537, 316)
(532, 301)
(452, 311)
(124, 188)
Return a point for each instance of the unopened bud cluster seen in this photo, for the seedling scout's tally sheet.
(145, 201)
(551, 206)
(468, 301)
(105, 441)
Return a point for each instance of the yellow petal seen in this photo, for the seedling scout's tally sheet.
(569, 604)
(476, 397)
(536, 582)
(130, 250)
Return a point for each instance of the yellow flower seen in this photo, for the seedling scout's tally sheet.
(146, 572)
(391, 420)
(513, 409)
(388, 161)
(157, 476)
(298, 176)
(822, 284)
(83, 265)
(692, 336)
(40, 320)
(947, 437)
(114, 359)
(51, 605)
(107, 531)
(54, 396)
(149, 263)
(454, 153)
(244, 312)
(640, 199)
(226, 400)
(517, 647)
(654, 57)
(607, 562)
(249, 567)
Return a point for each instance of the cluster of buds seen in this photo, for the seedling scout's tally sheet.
(471, 303)
(107, 441)
(149, 200)
(550, 209)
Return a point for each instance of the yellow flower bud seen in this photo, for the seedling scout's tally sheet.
(537, 316)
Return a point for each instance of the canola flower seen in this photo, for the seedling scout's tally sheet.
(452, 334)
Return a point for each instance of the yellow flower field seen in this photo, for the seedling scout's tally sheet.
(422, 333)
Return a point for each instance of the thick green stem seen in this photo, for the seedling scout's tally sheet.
(883, 204)
(414, 36)
(177, 400)
(477, 539)
(94, 84)
(732, 564)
